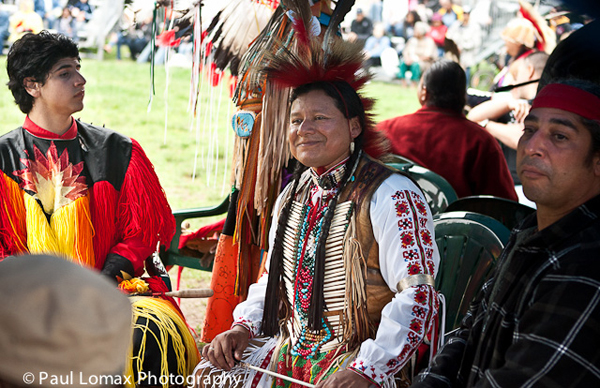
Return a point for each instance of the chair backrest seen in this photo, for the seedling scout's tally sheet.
(104, 17)
(509, 213)
(438, 192)
(393, 158)
(469, 245)
(175, 256)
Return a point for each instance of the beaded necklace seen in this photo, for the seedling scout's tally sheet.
(306, 241)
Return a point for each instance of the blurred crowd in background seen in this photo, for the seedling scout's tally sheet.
(402, 38)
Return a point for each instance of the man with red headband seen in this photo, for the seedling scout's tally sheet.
(535, 322)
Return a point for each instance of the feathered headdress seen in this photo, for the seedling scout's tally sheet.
(545, 37)
(234, 28)
(318, 56)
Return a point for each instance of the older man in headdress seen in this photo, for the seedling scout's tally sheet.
(348, 296)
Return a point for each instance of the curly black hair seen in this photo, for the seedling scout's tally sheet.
(33, 56)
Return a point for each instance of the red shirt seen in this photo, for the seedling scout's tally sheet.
(450, 145)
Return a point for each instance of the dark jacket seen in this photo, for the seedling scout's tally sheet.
(536, 323)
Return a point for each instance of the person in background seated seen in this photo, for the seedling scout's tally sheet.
(437, 32)
(439, 137)
(407, 29)
(53, 11)
(360, 28)
(420, 51)
(468, 38)
(85, 7)
(60, 325)
(503, 115)
(23, 21)
(520, 39)
(64, 24)
(533, 322)
(79, 24)
(375, 45)
(451, 13)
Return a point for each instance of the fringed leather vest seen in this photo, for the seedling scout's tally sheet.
(354, 289)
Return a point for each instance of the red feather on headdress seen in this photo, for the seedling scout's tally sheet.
(527, 15)
(547, 38)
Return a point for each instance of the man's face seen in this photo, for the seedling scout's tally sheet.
(320, 135)
(553, 160)
(63, 91)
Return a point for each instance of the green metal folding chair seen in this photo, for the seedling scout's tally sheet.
(509, 213)
(469, 245)
(173, 255)
(393, 158)
(438, 192)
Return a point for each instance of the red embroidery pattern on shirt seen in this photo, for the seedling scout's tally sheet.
(418, 253)
(249, 325)
(416, 243)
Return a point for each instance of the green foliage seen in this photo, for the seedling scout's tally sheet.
(117, 95)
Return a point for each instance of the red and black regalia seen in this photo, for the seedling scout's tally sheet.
(92, 197)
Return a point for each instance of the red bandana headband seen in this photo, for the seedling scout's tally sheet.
(570, 99)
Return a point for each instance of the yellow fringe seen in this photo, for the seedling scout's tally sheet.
(69, 234)
(15, 197)
(168, 320)
(73, 227)
(40, 237)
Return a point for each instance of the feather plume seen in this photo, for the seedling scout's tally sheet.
(300, 13)
(291, 69)
(547, 37)
(341, 10)
(250, 85)
(233, 29)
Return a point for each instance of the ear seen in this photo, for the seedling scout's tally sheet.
(422, 94)
(32, 86)
(596, 164)
(355, 128)
(531, 71)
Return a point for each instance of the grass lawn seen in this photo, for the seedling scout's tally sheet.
(117, 95)
(193, 164)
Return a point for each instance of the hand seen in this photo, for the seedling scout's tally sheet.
(520, 109)
(227, 345)
(345, 378)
